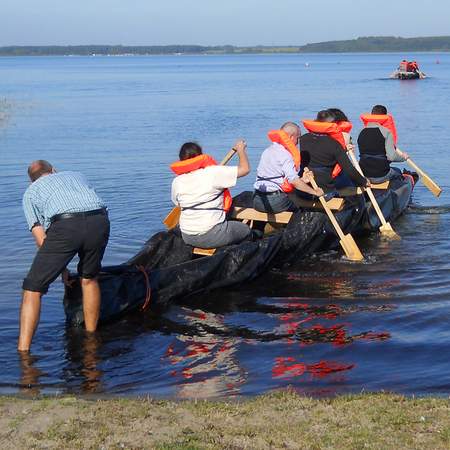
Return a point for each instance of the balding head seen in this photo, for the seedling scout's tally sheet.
(292, 130)
(38, 168)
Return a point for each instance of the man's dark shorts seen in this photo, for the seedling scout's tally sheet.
(86, 236)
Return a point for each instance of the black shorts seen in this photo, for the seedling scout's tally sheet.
(86, 236)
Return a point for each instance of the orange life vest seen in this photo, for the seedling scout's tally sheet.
(385, 120)
(200, 162)
(332, 129)
(282, 138)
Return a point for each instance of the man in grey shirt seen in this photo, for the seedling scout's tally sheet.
(66, 217)
(276, 171)
(377, 149)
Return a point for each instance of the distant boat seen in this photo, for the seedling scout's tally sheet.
(408, 70)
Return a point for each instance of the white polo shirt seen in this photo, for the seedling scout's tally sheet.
(202, 185)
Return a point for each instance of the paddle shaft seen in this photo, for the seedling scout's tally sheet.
(329, 213)
(173, 217)
(368, 189)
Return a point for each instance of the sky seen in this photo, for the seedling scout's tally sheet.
(215, 22)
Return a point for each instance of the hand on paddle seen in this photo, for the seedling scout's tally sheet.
(240, 147)
(307, 177)
(404, 155)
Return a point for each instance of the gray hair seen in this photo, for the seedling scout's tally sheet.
(290, 128)
(38, 168)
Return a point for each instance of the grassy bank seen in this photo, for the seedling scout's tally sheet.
(281, 420)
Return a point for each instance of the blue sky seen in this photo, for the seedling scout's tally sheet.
(215, 22)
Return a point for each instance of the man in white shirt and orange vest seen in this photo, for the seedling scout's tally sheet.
(201, 191)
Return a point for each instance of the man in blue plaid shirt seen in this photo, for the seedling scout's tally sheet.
(66, 217)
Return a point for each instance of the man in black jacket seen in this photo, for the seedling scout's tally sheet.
(320, 153)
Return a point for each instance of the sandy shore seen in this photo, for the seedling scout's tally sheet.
(280, 420)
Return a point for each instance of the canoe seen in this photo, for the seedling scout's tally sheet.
(401, 75)
(166, 271)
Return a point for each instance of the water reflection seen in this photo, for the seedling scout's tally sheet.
(29, 374)
(205, 365)
(82, 352)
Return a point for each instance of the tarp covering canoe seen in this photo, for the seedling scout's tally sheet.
(166, 271)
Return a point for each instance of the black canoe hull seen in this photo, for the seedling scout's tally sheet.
(408, 75)
(173, 274)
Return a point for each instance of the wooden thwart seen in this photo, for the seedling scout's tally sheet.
(349, 191)
(242, 213)
(204, 251)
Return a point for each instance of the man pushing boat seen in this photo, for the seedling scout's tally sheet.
(278, 172)
(66, 217)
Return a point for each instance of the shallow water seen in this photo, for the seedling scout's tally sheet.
(322, 326)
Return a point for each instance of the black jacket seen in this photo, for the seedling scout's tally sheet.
(320, 153)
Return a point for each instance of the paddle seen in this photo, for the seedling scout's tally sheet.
(426, 180)
(172, 219)
(347, 242)
(386, 227)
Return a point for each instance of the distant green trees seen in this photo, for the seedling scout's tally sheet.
(361, 44)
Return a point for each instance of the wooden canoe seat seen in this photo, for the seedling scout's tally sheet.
(349, 191)
(242, 213)
(250, 214)
(204, 251)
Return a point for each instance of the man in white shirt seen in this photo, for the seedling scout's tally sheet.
(200, 189)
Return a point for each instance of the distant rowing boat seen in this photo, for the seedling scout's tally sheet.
(401, 75)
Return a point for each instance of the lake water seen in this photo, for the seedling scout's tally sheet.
(384, 324)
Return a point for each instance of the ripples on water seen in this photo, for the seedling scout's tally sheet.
(323, 325)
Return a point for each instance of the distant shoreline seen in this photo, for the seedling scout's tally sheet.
(380, 44)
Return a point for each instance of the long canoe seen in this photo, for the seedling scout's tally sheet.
(166, 270)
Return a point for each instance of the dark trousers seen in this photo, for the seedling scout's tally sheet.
(273, 202)
(86, 236)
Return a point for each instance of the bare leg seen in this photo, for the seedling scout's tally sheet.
(91, 302)
(30, 312)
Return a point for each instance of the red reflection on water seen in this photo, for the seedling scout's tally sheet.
(288, 367)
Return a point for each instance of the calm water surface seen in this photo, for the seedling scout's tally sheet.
(322, 326)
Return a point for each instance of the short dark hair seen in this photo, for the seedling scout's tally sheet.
(190, 150)
(339, 115)
(38, 168)
(379, 109)
(325, 116)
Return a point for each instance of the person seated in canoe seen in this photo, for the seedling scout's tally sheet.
(345, 127)
(377, 146)
(201, 190)
(278, 172)
(323, 151)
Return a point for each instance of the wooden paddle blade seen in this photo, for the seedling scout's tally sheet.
(431, 185)
(388, 231)
(350, 248)
(426, 180)
(172, 219)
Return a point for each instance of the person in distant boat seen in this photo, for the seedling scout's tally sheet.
(201, 190)
(278, 173)
(323, 151)
(66, 217)
(377, 146)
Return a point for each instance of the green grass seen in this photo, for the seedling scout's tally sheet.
(279, 420)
